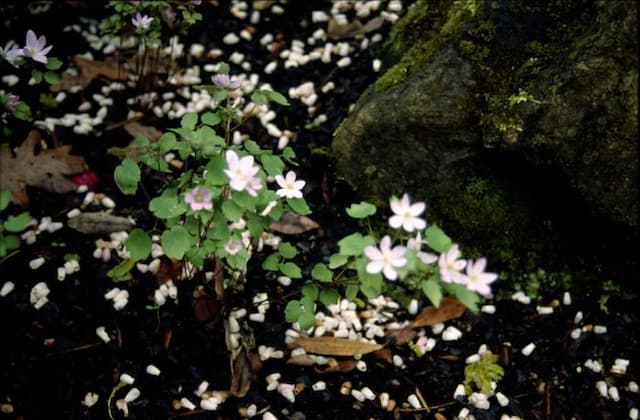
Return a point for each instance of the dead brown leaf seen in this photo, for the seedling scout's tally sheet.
(46, 170)
(136, 129)
(340, 366)
(89, 70)
(240, 375)
(336, 30)
(293, 224)
(99, 222)
(403, 335)
(334, 346)
(449, 309)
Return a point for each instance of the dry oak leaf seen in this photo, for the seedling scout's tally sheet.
(335, 346)
(449, 309)
(46, 170)
(293, 224)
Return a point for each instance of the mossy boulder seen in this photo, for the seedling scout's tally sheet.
(506, 117)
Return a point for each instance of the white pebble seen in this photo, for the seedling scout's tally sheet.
(575, 334)
(73, 213)
(108, 202)
(185, 403)
(269, 416)
(599, 329)
(566, 298)
(357, 394)
(384, 399)
(319, 386)
(361, 366)
(231, 39)
(413, 400)
(614, 394)
(271, 67)
(578, 318)
(459, 392)
(153, 370)
(602, 388)
(451, 334)
(132, 395)
(257, 317)
(7, 288)
(633, 386)
(488, 309)
(437, 328)
(544, 310)
(127, 379)
(90, 399)
(413, 307)
(528, 349)
(479, 401)
(376, 64)
(368, 393)
(344, 62)
(209, 404)
(633, 413)
(472, 359)
(397, 360)
(36, 263)
(102, 333)
(463, 414)
(502, 399)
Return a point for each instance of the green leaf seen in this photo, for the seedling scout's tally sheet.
(167, 142)
(273, 165)
(155, 162)
(139, 244)
(321, 273)
(337, 260)
(271, 263)
(211, 118)
(276, 97)
(354, 244)
(5, 199)
(468, 298)
(437, 239)
(310, 291)
(257, 225)
(223, 68)
(167, 205)
(362, 210)
(215, 171)
(189, 121)
(328, 296)
(290, 269)
(127, 176)
(289, 155)
(176, 242)
(292, 311)
(36, 75)
(122, 271)
(306, 320)
(370, 284)
(53, 63)
(432, 290)
(232, 211)
(17, 223)
(244, 200)
(287, 250)
(51, 77)
(351, 291)
(8, 243)
(299, 206)
(252, 147)
(258, 98)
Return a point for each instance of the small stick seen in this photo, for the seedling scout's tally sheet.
(422, 400)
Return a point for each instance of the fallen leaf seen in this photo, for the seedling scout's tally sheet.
(339, 366)
(385, 355)
(334, 346)
(337, 30)
(293, 224)
(240, 375)
(403, 335)
(92, 223)
(89, 70)
(136, 129)
(46, 170)
(449, 309)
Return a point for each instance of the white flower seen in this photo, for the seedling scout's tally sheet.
(406, 214)
(385, 258)
(290, 188)
(416, 245)
(241, 173)
(141, 21)
(476, 279)
(451, 265)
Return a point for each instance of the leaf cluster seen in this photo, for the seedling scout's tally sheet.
(10, 226)
(481, 374)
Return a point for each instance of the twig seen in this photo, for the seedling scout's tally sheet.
(422, 400)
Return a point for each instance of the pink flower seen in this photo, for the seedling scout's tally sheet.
(406, 214)
(242, 173)
(416, 245)
(385, 258)
(35, 48)
(451, 265)
(476, 279)
(223, 81)
(199, 198)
